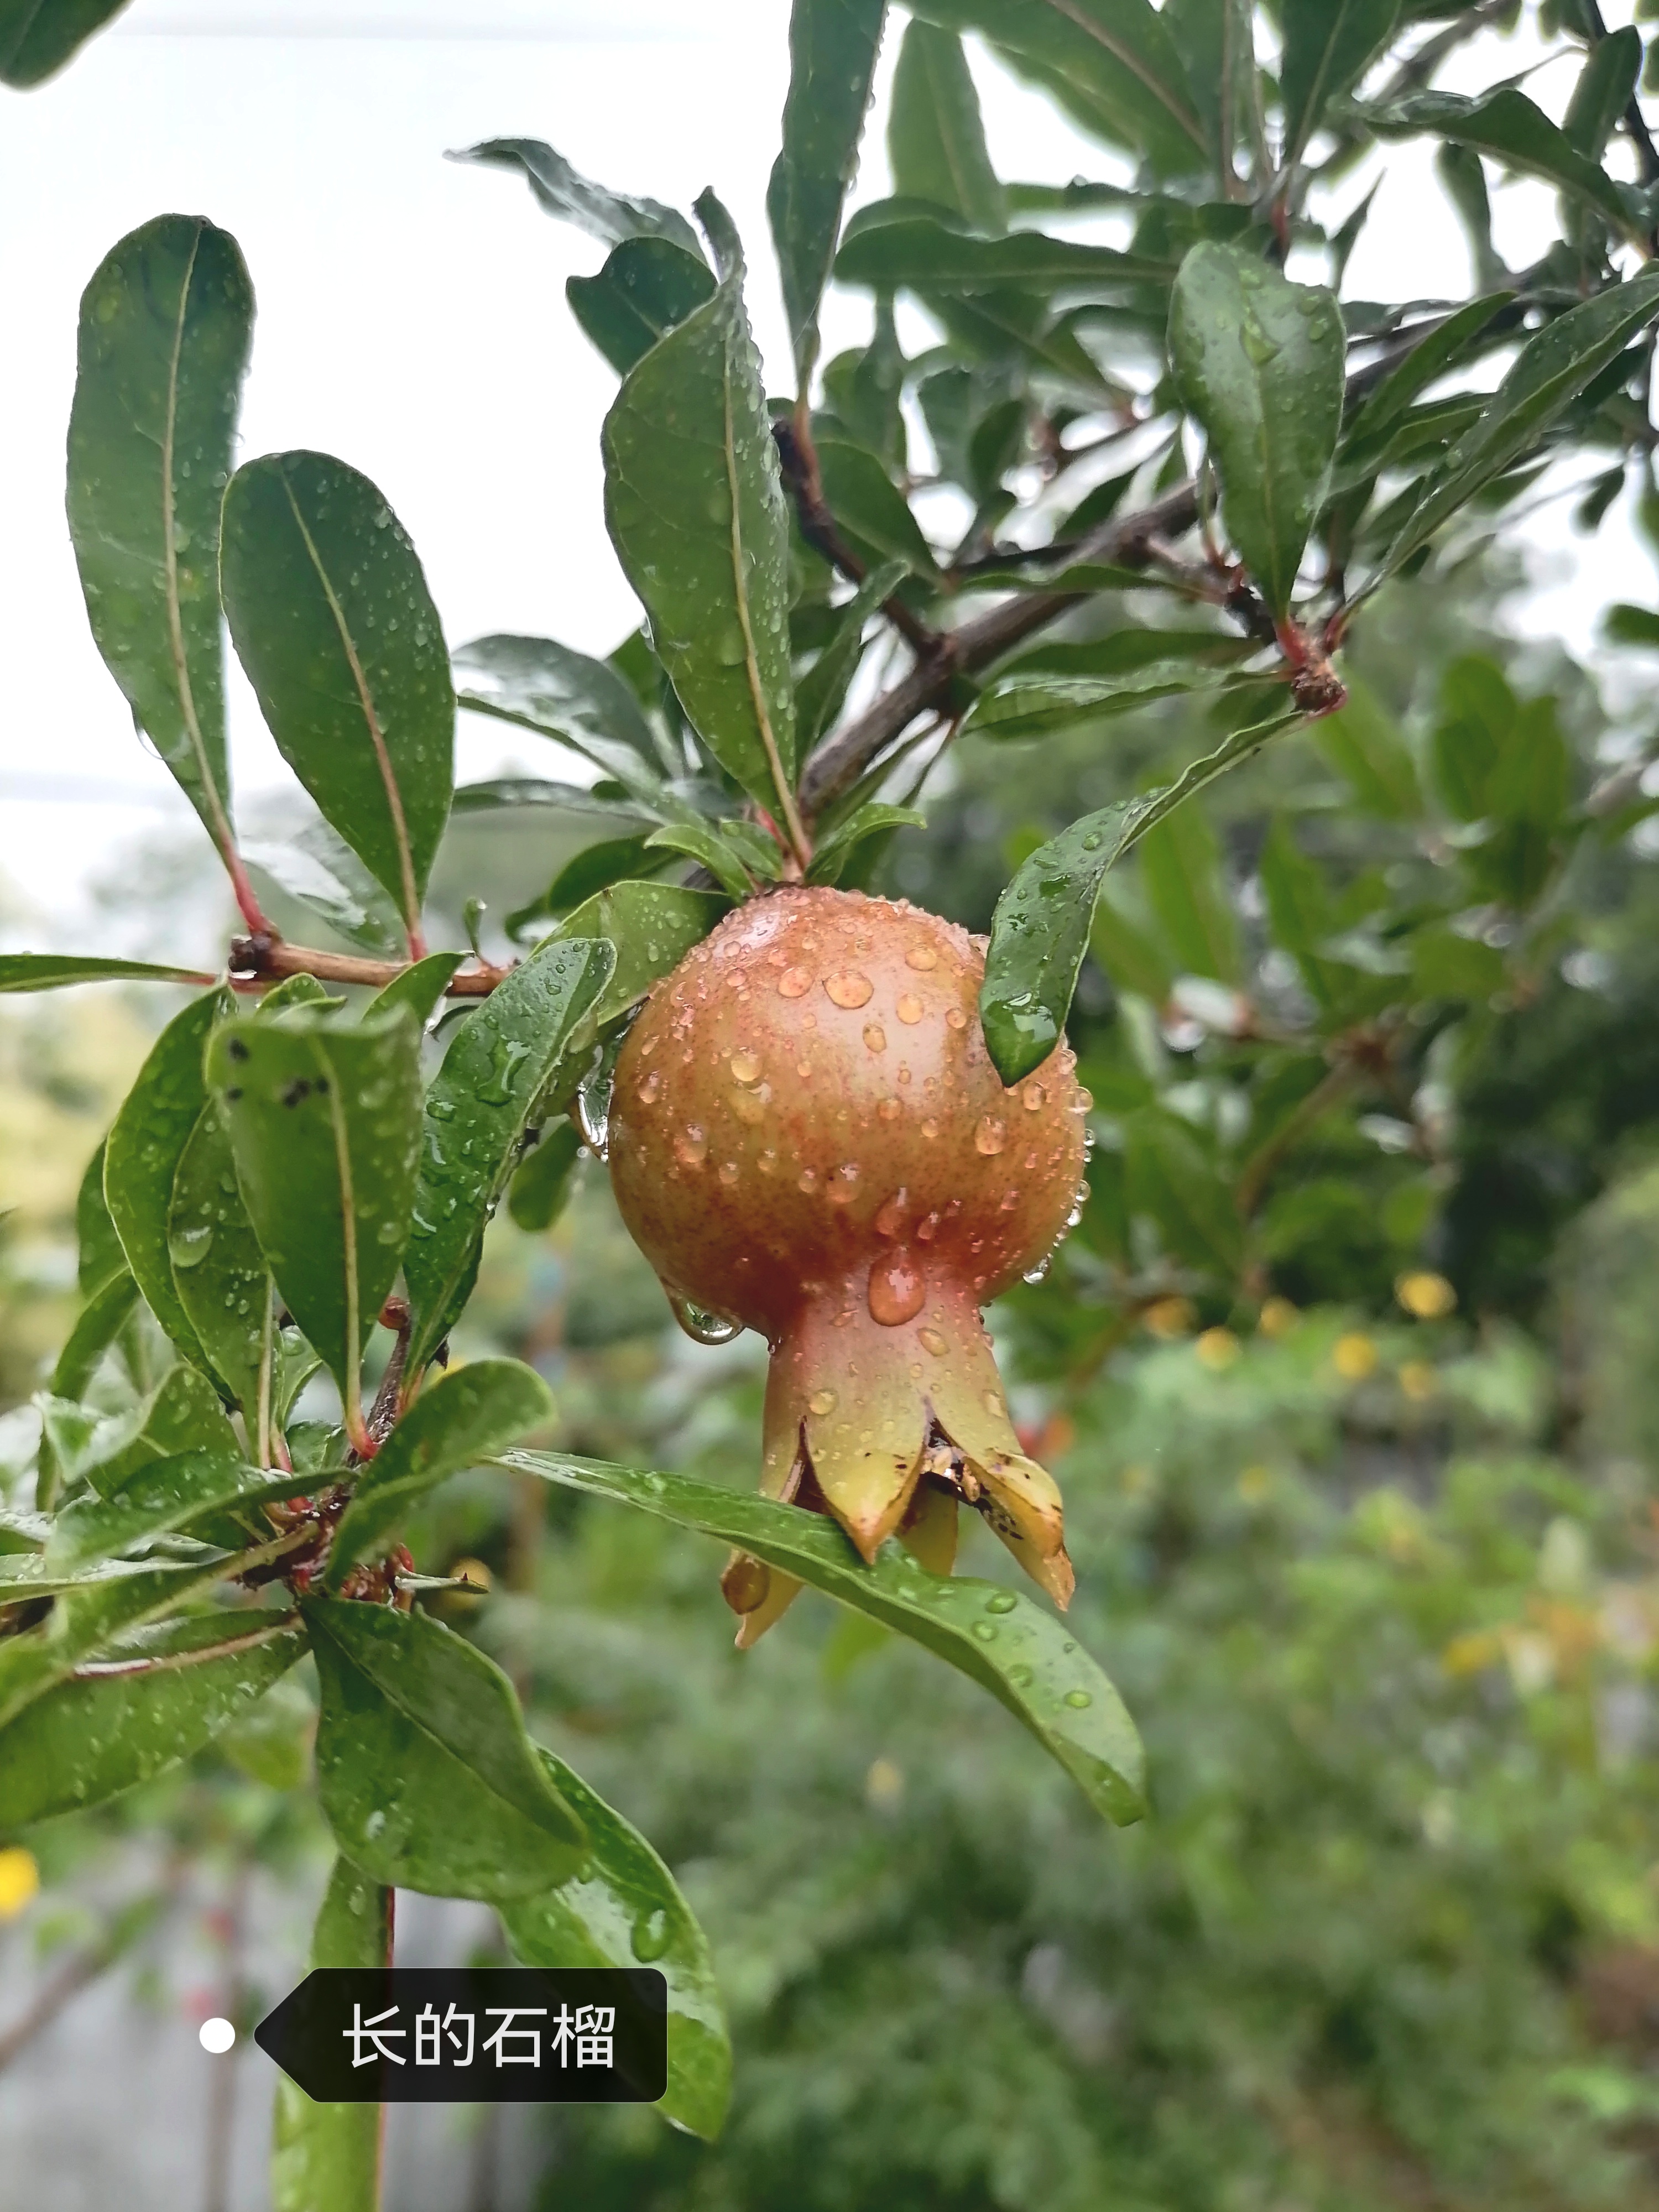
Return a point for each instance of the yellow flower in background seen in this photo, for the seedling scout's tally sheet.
(1418, 1380)
(1354, 1356)
(1170, 1317)
(1277, 1317)
(1217, 1348)
(1430, 1298)
(20, 1879)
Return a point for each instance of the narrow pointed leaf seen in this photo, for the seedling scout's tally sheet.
(1040, 706)
(542, 1187)
(833, 45)
(822, 692)
(627, 1910)
(499, 1062)
(142, 1155)
(420, 988)
(35, 40)
(219, 1272)
(333, 621)
(325, 1128)
(182, 1414)
(468, 1416)
(564, 193)
(96, 1329)
(86, 1618)
(426, 1774)
(98, 1247)
(117, 1723)
(653, 927)
(646, 286)
(1516, 131)
(1549, 372)
(1328, 47)
(917, 252)
(169, 1494)
(935, 133)
(56, 971)
(1031, 1664)
(695, 508)
(874, 819)
(1113, 63)
(1260, 364)
(326, 2157)
(166, 326)
(702, 842)
(567, 696)
(327, 878)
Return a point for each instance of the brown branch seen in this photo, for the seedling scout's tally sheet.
(257, 962)
(818, 527)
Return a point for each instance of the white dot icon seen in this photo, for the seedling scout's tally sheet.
(216, 2035)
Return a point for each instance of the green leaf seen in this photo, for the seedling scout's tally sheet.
(182, 1414)
(595, 868)
(651, 926)
(1299, 909)
(695, 508)
(96, 1329)
(704, 843)
(166, 1495)
(333, 621)
(420, 987)
(55, 971)
(1603, 91)
(31, 1575)
(142, 1153)
(646, 286)
(1122, 652)
(1453, 343)
(119, 1722)
(607, 216)
(1260, 364)
(1363, 745)
(324, 1126)
(874, 819)
(871, 510)
(1513, 130)
(822, 692)
(36, 38)
(426, 1774)
(323, 873)
(219, 1272)
(1031, 1664)
(99, 1247)
(501, 1059)
(326, 2157)
(1112, 63)
(1170, 1178)
(98, 1607)
(627, 1910)
(1329, 45)
(166, 326)
(935, 134)
(569, 696)
(1127, 954)
(920, 252)
(833, 45)
(1180, 872)
(1550, 371)
(465, 1418)
(541, 1188)
(1624, 625)
(1040, 706)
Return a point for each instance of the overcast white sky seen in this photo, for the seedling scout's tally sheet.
(412, 318)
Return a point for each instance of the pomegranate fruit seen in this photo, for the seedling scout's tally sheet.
(807, 1137)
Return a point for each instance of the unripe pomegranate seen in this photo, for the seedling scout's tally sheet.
(807, 1135)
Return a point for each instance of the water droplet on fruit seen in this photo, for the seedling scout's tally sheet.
(702, 1323)
(909, 1008)
(592, 1114)
(929, 1229)
(843, 1184)
(890, 1110)
(875, 1036)
(745, 1066)
(794, 983)
(1036, 1274)
(728, 1172)
(768, 1160)
(898, 1289)
(956, 1018)
(649, 1088)
(990, 1136)
(809, 1180)
(930, 1129)
(1010, 1200)
(1033, 1097)
(848, 988)
(821, 1402)
(931, 1340)
(890, 1219)
(921, 957)
(692, 1146)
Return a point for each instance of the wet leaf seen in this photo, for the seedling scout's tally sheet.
(464, 1418)
(873, 512)
(500, 1060)
(1027, 1662)
(822, 692)
(101, 1607)
(55, 971)
(923, 254)
(1514, 132)
(333, 621)
(1040, 706)
(118, 1722)
(567, 695)
(326, 2157)
(833, 45)
(874, 819)
(167, 1494)
(1328, 46)
(695, 508)
(627, 1911)
(166, 326)
(219, 1272)
(420, 988)
(323, 873)
(541, 1188)
(182, 1414)
(652, 927)
(564, 193)
(96, 1329)
(325, 1127)
(702, 841)
(1260, 364)
(426, 1774)
(936, 145)
(646, 286)
(99, 1248)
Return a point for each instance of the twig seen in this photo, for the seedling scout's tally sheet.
(818, 527)
(256, 963)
